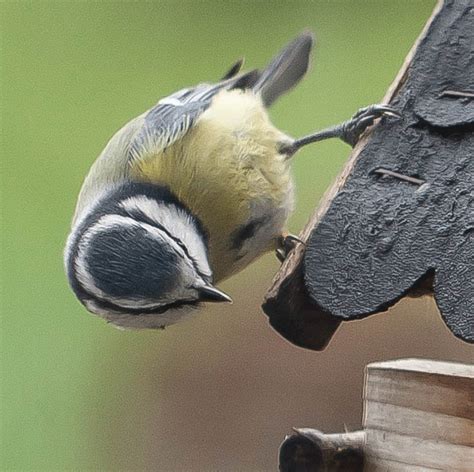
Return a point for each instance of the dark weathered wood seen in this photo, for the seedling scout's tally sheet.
(376, 238)
(294, 314)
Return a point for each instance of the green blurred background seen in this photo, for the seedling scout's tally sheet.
(220, 391)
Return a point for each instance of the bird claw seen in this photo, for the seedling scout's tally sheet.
(365, 117)
(287, 244)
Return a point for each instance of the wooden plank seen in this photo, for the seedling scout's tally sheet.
(416, 451)
(414, 422)
(420, 413)
(426, 366)
(422, 390)
(383, 465)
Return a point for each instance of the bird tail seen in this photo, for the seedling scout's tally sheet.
(286, 69)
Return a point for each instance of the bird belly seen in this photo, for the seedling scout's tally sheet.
(227, 170)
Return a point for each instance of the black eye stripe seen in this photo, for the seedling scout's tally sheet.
(104, 304)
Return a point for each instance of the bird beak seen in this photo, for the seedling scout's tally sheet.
(208, 293)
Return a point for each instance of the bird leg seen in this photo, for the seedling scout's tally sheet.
(348, 131)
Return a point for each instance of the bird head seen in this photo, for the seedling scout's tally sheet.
(139, 259)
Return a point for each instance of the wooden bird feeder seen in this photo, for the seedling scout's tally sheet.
(399, 220)
(418, 417)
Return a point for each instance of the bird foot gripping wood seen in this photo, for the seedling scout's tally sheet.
(287, 243)
(352, 130)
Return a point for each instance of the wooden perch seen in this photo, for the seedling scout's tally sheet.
(312, 450)
(399, 220)
(418, 416)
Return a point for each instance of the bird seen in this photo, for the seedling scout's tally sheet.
(191, 192)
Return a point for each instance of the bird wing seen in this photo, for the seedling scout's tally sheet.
(172, 117)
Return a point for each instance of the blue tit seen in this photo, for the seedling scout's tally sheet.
(188, 194)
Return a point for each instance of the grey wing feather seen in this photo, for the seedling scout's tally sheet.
(168, 121)
(172, 117)
(286, 69)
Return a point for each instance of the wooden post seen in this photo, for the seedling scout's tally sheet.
(418, 416)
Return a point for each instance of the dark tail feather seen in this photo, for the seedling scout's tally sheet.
(234, 70)
(286, 69)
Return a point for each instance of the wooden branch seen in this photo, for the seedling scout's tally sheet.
(418, 416)
(315, 289)
(312, 450)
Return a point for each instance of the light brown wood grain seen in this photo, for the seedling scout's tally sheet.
(437, 455)
(419, 413)
(421, 389)
(414, 422)
(394, 466)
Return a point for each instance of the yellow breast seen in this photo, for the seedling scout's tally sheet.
(221, 169)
